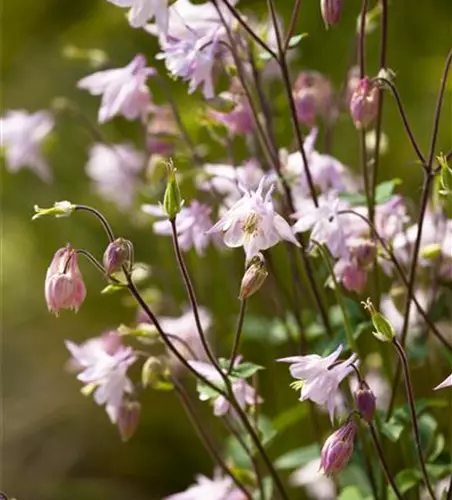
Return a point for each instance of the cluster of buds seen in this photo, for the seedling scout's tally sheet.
(64, 287)
(313, 97)
(364, 103)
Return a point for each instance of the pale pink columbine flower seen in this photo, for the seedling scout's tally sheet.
(123, 90)
(253, 223)
(321, 376)
(244, 393)
(328, 226)
(352, 277)
(192, 224)
(64, 287)
(218, 488)
(338, 448)
(141, 11)
(313, 96)
(22, 135)
(114, 171)
(102, 364)
(192, 59)
(238, 120)
(445, 383)
(316, 484)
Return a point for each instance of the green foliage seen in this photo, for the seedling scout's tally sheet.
(298, 457)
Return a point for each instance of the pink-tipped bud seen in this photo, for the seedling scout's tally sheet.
(128, 419)
(64, 287)
(116, 255)
(365, 401)
(338, 448)
(253, 278)
(331, 11)
(364, 103)
(313, 97)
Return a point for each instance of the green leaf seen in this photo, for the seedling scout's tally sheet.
(437, 448)
(267, 486)
(245, 370)
(350, 493)
(407, 479)
(353, 198)
(266, 330)
(290, 417)
(427, 429)
(206, 392)
(383, 191)
(266, 429)
(298, 457)
(112, 288)
(234, 451)
(393, 429)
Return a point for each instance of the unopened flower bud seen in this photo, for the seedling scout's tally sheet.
(152, 371)
(365, 401)
(172, 201)
(128, 419)
(384, 331)
(331, 11)
(313, 96)
(354, 278)
(364, 103)
(364, 252)
(64, 287)
(253, 278)
(59, 209)
(338, 448)
(116, 255)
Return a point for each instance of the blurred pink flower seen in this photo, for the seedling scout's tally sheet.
(321, 376)
(114, 171)
(123, 90)
(64, 287)
(253, 223)
(22, 135)
(141, 11)
(192, 224)
(102, 366)
(238, 120)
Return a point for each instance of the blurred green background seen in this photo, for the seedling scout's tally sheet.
(57, 445)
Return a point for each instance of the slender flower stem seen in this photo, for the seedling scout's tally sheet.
(237, 336)
(410, 397)
(90, 257)
(293, 111)
(379, 118)
(207, 440)
(403, 116)
(384, 464)
(184, 343)
(402, 276)
(365, 172)
(100, 217)
(292, 25)
(347, 325)
(248, 29)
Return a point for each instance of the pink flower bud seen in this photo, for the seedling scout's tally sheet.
(128, 419)
(364, 103)
(64, 287)
(354, 278)
(116, 255)
(338, 448)
(365, 401)
(313, 96)
(364, 252)
(253, 278)
(331, 11)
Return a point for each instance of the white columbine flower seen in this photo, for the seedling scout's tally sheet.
(123, 90)
(253, 223)
(22, 135)
(445, 383)
(218, 488)
(320, 378)
(141, 11)
(102, 364)
(114, 171)
(192, 222)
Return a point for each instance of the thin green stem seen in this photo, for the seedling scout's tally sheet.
(411, 404)
(237, 336)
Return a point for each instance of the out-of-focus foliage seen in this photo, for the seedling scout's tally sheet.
(56, 444)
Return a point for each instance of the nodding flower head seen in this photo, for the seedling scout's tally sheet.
(364, 103)
(338, 448)
(64, 287)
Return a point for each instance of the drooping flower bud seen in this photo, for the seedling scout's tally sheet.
(254, 277)
(384, 331)
(365, 401)
(338, 448)
(172, 201)
(364, 103)
(331, 11)
(64, 287)
(128, 419)
(116, 255)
